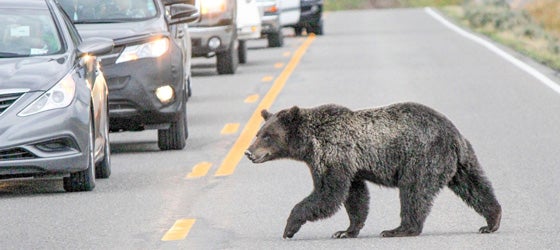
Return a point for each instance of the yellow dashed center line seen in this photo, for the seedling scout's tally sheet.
(267, 79)
(287, 54)
(252, 98)
(199, 170)
(179, 230)
(233, 157)
(230, 128)
(278, 65)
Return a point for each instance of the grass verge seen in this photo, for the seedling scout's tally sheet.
(515, 28)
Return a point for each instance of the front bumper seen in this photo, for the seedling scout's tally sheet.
(249, 32)
(23, 140)
(133, 104)
(270, 24)
(201, 35)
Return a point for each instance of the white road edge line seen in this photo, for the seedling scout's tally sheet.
(523, 66)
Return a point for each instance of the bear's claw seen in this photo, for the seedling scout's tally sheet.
(344, 234)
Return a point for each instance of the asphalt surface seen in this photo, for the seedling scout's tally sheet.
(365, 59)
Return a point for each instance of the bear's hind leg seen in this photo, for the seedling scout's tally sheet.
(416, 203)
(357, 207)
(474, 188)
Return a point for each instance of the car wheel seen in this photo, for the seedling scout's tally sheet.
(242, 51)
(85, 179)
(103, 168)
(317, 28)
(298, 30)
(228, 60)
(276, 39)
(189, 89)
(174, 137)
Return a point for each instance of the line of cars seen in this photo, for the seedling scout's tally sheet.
(225, 26)
(71, 71)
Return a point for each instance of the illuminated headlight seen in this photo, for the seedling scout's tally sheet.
(165, 94)
(212, 6)
(154, 48)
(59, 96)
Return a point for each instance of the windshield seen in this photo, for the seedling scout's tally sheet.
(28, 33)
(108, 11)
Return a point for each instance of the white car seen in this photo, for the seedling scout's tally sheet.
(248, 25)
(278, 14)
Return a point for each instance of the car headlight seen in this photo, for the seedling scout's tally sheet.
(59, 96)
(212, 6)
(154, 48)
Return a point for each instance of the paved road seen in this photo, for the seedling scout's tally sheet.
(367, 58)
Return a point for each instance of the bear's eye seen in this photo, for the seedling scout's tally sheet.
(266, 138)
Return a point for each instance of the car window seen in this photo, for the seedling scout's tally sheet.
(29, 32)
(107, 11)
(74, 35)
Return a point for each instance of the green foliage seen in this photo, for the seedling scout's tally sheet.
(514, 28)
(423, 3)
(334, 5)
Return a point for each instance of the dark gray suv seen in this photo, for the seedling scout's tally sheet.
(148, 71)
(215, 33)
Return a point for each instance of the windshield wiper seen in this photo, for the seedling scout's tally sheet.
(9, 54)
(100, 21)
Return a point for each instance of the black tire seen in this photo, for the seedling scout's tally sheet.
(317, 28)
(298, 30)
(103, 168)
(189, 89)
(85, 179)
(174, 138)
(276, 39)
(242, 51)
(227, 61)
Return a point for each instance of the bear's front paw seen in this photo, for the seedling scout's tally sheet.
(487, 230)
(401, 232)
(344, 234)
(292, 227)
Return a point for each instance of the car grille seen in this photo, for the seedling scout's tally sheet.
(6, 100)
(196, 42)
(122, 106)
(15, 154)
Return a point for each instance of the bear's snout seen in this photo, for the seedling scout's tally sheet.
(249, 155)
(258, 157)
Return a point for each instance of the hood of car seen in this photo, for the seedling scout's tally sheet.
(120, 30)
(33, 73)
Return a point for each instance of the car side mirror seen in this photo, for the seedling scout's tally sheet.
(95, 46)
(183, 13)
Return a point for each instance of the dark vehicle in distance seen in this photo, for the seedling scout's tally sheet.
(53, 97)
(215, 34)
(277, 15)
(148, 71)
(311, 17)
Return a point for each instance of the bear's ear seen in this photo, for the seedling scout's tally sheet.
(294, 111)
(265, 114)
(291, 116)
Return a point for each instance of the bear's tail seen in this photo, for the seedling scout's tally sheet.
(474, 188)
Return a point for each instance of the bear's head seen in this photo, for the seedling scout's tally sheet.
(276, 138)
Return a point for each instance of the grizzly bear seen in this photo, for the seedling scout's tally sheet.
(407, 146)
